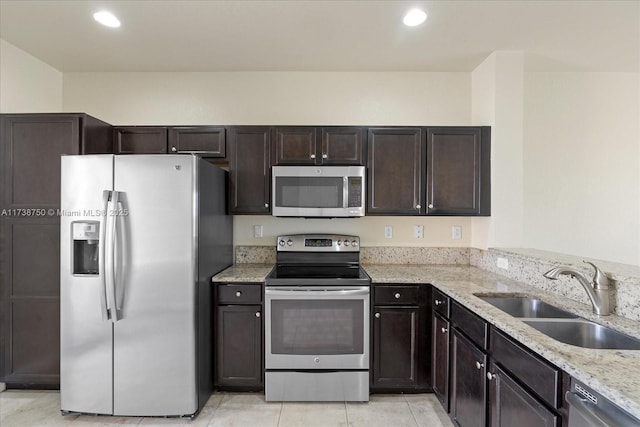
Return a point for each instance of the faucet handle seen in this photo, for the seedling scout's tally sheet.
(600, 279)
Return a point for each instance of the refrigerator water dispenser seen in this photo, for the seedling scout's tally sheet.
(86, 239)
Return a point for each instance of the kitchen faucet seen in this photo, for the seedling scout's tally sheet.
(597, 288)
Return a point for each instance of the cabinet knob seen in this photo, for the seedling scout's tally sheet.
(438, 302)
(479, 365)
(444, 330)
(377, 315)
(313, 156)
(430, 205)
(238, 294)
(174, 149)
(324, 156)
(257, 314)
(266, 205)
(490, 376)
(418, 206)
(397, 295)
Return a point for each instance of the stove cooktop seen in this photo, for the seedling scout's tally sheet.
(324, 275)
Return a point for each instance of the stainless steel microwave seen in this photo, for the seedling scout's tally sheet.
(318, 191)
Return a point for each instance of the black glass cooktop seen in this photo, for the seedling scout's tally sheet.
(322, 274)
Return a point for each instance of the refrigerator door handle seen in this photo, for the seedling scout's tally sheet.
(104, 306)
(119, 254)
(110, 267)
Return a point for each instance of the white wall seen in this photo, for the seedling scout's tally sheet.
(271, 98)
(27, 85)
(288, 98)
(581, 164)
(497, 99)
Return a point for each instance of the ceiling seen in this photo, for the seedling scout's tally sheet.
(337, 35)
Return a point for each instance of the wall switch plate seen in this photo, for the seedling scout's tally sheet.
(388, 231)
(257, 231)
(418, 231)
(456, 232)
(503, 263)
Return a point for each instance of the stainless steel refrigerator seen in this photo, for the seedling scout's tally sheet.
(141, 236)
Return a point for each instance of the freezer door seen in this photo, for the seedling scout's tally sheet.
(155, 334)
(85, 331)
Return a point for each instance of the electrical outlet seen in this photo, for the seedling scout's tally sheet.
(257, 231)
(418, 231)
(388, 231)
(503, 263)
(456, 232)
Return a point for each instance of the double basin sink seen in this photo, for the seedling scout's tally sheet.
(561, 325)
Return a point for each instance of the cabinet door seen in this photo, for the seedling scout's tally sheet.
(396, 363)
(468, 383)
(458, 181)
(512, 405)
(249, 170)
(208, 141)
(239, 346)
(342, 146)
(394, 171)
(295, 146)
(440, 359)
(140, 140)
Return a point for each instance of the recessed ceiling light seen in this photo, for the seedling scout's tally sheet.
(414, 17)
(106, 18)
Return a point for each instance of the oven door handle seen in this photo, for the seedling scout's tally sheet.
(301, 291)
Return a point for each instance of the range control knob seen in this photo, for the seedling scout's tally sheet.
(346, 243)
(339, 242)
(281, 242)
(289, 242)
(354, 243)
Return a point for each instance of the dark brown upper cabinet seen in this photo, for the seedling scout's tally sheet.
(318, 146)
(249, 170)
(395, 171)
(458, 173)
(140, 140)
(31, 146)
(206, 141)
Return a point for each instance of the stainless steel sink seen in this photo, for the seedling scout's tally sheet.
(527, 307)
(583, 333)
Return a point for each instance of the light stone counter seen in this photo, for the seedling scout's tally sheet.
(248, 273)
(613, 373)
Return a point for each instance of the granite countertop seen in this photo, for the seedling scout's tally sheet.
(613, 373)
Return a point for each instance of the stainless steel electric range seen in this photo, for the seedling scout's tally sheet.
(317, 320)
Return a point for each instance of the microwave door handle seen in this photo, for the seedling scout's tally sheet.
(345, 192)
(102, 240)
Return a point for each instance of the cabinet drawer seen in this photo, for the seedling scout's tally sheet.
(240, 294)
(543, 379)
(472, 325)
(396, 295)
(440, 303)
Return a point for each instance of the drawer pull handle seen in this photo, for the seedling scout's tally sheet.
(438, 302)
(490, 376)
(479, 365)
(377, 315)
(238, 294)
(444, 330)
(257, 314)
(397, 295)
(313, 156)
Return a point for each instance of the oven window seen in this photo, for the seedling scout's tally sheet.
(317, 326)
(305, 192)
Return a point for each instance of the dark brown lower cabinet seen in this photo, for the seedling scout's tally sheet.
(440, 359)
(512, 405)
(400, 336)
(468, 382)
(239, 361)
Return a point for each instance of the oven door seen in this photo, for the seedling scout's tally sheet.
(317, 327)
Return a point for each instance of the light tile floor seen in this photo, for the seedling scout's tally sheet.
(23, 408)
